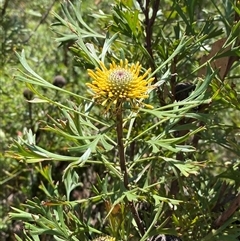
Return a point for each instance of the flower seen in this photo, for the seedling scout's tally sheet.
(105, 238)
(119, 83)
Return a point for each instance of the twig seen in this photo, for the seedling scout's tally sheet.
(4, 8)
(228, 213)
(120, 144)
(41, 21)
(149, 22)
(123, 165)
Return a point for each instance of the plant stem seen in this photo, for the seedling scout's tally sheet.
(123, 167)
(120, 144)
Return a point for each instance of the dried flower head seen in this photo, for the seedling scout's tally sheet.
(59, 81)
(119, 83)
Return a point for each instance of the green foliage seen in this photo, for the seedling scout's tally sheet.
(181, 171)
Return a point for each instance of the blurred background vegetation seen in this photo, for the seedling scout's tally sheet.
(27, 25)
(145, 31)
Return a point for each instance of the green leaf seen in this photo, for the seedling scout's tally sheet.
(159, 199)
(186, 168)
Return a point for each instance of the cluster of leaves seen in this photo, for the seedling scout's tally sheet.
(25, 24)
(178, 183)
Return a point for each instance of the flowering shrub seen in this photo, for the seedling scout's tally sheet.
(137, 164)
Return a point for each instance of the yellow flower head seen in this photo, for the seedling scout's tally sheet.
(105, 238)
(119, 83)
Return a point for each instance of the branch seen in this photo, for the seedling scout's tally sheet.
(228, 213)
(123, 166)
(4, 8)
(149, 22)
(120, 144)
(41, 21)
